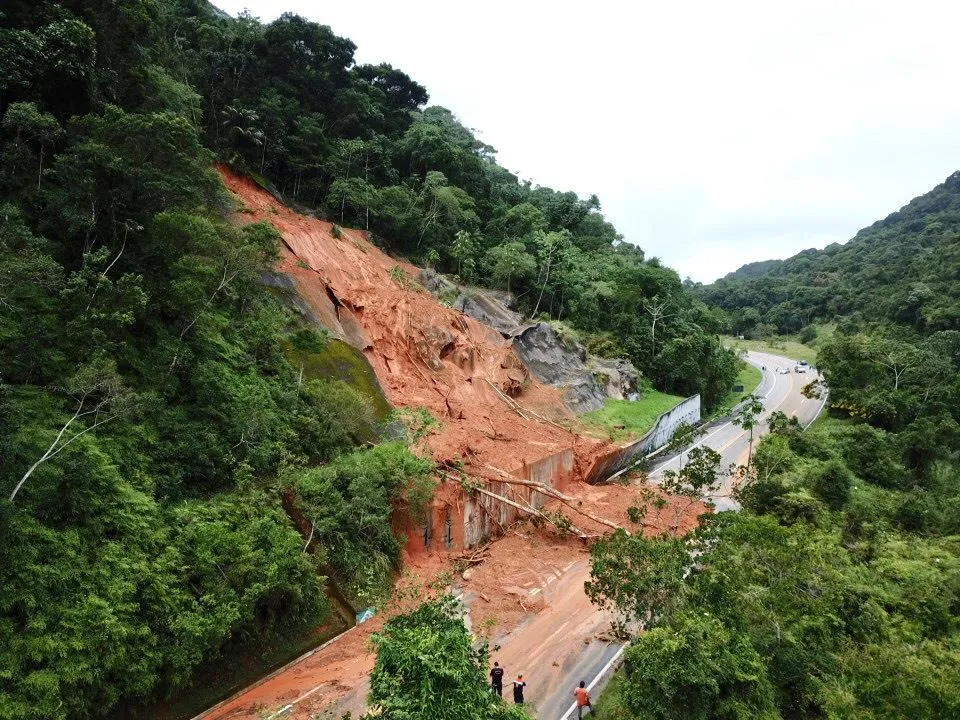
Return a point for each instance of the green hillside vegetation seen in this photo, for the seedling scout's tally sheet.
(621, 420)
(168, 437)
(903, 270)
(834, 593)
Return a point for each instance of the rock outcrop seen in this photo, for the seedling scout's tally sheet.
(619, 377)
(490, 310)
(562, 363)
(585, 382)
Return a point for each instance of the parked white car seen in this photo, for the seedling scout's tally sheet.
(800, 369)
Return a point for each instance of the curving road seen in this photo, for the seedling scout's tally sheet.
(594, 662)
(566, 642)
(779, 390)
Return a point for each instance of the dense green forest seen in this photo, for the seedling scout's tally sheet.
(904, 270)
(160, 460)
(835, 592)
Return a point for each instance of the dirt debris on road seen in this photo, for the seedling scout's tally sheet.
(496, 422)
(529, 584)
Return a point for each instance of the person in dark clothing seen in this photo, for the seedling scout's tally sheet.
(518, 685)
(496, 679)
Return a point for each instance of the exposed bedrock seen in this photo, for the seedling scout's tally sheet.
(585, 381)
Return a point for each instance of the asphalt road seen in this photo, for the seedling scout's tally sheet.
(593, 661)
(558, 648)
(778, 391)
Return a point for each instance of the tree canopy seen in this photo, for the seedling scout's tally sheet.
(172, 488)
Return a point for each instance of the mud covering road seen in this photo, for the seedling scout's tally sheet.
(526, 597)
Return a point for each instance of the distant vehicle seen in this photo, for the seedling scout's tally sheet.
(802, 363)
(800, 369)
(783, 370)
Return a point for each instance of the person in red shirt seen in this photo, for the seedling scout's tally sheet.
(518, 685)
(583, 699)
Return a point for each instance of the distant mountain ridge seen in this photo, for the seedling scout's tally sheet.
(904, 268)
(754, 269)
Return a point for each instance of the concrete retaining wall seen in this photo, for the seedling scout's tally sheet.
(485, 516)
(659, 435)
(458, 520)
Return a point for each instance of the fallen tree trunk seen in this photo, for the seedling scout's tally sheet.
(508, 479)
(520, 409)
(530, 510)
(565, 499)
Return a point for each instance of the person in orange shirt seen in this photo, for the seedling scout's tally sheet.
(583, 699)
(518, 685)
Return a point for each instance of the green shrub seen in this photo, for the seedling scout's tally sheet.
(349, 503)
(798, 506)
(428, 668)
(874, 453)
(832, 484)
(696, 668)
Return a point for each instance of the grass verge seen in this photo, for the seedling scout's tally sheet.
(621, 420)
(750, 378)
(610, 704)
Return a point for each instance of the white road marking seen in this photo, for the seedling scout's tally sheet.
(616, 656)
(722, 427)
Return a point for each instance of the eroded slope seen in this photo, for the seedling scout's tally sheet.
(425, 354)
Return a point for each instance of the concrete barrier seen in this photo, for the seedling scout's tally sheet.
(659, 435)
(483, 515)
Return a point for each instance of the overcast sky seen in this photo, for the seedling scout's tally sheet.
(715, 134)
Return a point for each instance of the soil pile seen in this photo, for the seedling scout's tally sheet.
(493, 412)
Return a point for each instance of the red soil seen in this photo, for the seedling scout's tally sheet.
(530, 578)
(427, 355)
(424, 354)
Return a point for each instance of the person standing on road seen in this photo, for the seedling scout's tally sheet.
(518, 685)
(583, 699)
(496, 679)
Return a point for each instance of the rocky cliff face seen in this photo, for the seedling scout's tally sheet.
(585, 382)
(619, 377)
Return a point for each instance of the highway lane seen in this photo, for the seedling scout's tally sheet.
(592, 662)
(779, 391)
(559, 646)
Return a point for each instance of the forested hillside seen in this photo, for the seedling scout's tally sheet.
(904, 269)
(835, 592)
(149, 416)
